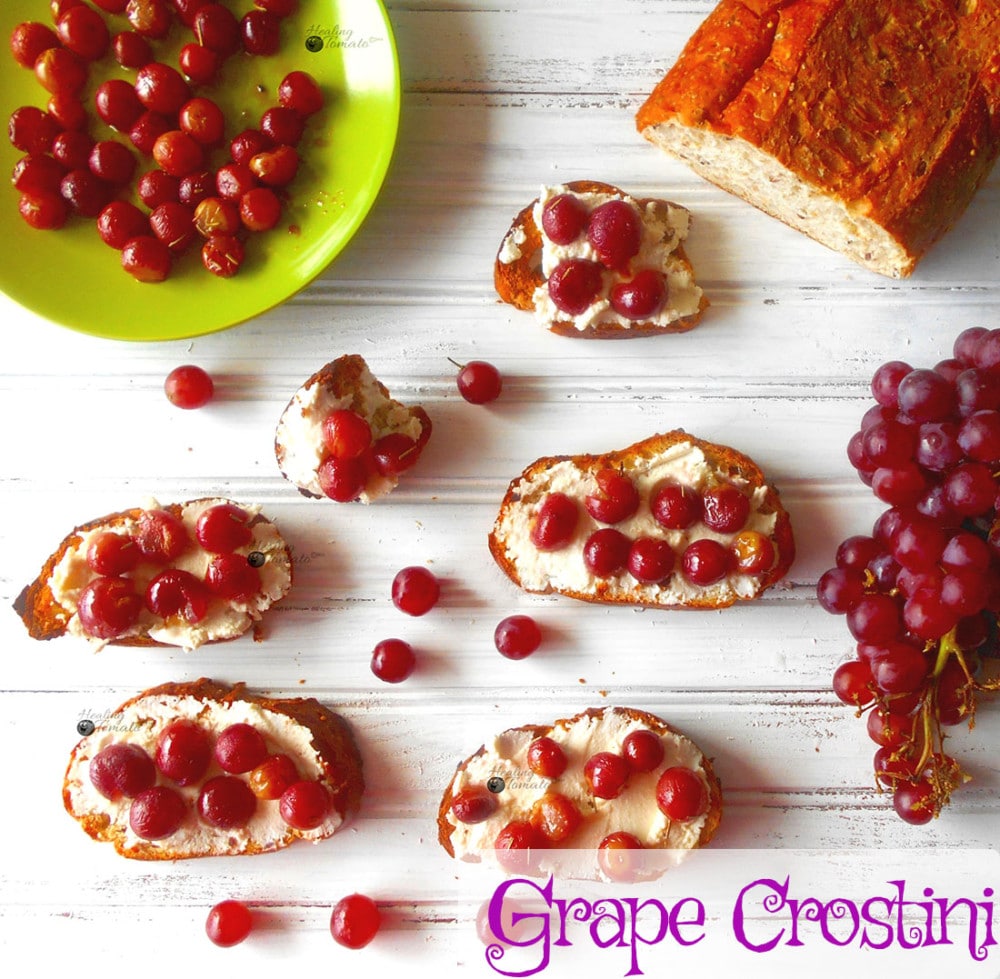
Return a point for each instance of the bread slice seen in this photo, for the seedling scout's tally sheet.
(49, 606)
(527, 256)
(501, 773)
(673, 459)
(347, 383)
(867, 124)
(317, 740)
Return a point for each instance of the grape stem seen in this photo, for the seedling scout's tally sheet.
(949, 647)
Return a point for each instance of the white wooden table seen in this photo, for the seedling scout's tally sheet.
(498, 99)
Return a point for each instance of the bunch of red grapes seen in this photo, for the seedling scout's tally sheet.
(166, 175)
(921, 595)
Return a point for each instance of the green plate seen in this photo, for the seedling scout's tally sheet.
(72, 278)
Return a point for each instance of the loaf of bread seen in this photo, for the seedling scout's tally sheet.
(144, 577)
(580, 797)
(867, 124)
(321, 462)
(203, 769)
(636, 281)
(672, 521)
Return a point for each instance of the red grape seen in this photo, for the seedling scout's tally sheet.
(517, 636)
(393, 660)
(555, 523)
(415, 590)
(479, 382)
(681, 794)
(355, 921)
(228, 923)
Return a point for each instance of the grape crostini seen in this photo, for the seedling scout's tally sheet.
(591, 261)
(203, 769)
(182, 574)
(921, 593)
(669, 522)
(572, 797)
(343, 437)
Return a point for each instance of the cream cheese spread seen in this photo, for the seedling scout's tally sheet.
(664, 227)
(225, 619)
(299, 436)
(565, 570)
(633, 811)
(141, 722)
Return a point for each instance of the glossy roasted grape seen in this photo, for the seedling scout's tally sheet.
(474, 805)
(615, 231)
(394, 453)
(514, 844)
(228, 923)
(650, 559)
(642, 750)
(240, 748)
(108, 607)
(110, 553)
(189, 387)
(299, 91)
(676, 507)
(393, 660)
(223, 528)
(617, 858)
(556, 817)
(681, 794)
(546, 758)
(606, 551)
(415, 590)
(226, 802)
(563, 218)
(615, 499)
(355, 921)
(273, 776)
(641, 297)
(122, 770)
(606, 774)
(157, 813)
(574, 284)
(706, 562)
(517, 636)
(479, 382)
(342, 480)
(305, 804)
(119, 222)
(146, 259)
(178, 592)
(161, 536)
(555, 523)
(183, 752)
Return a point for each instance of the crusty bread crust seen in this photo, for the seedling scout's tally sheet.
(332, 740)
(516, 281)
(867, 124)
(729, 466)
(343, 378)
(713, 816)
(41, 612)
